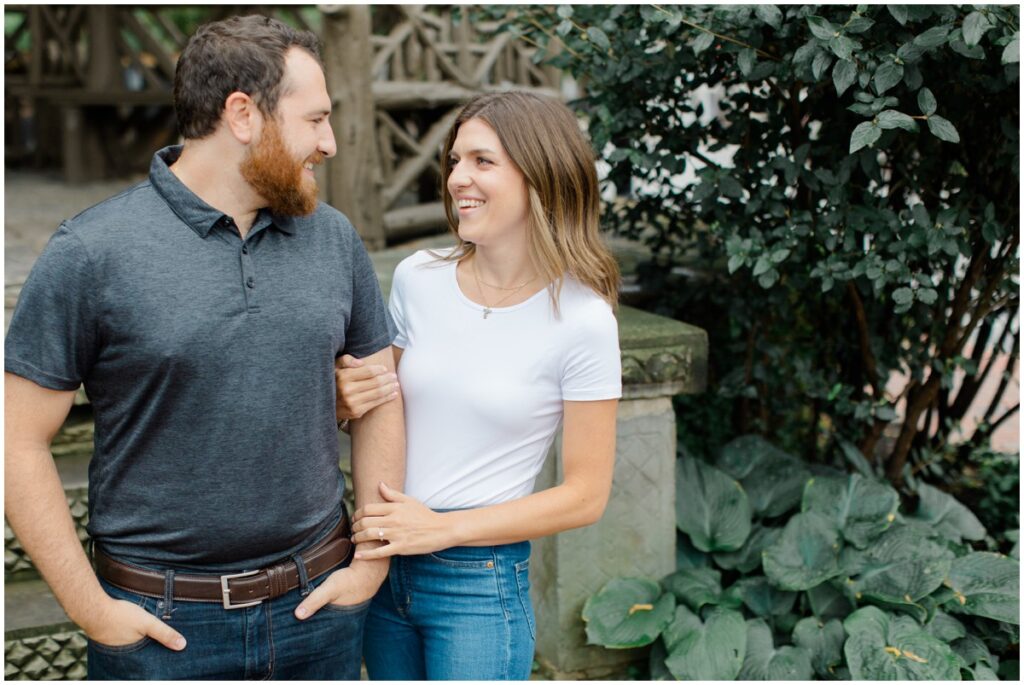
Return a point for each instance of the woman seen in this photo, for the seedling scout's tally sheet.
(500, 340)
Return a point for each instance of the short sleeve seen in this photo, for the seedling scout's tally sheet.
(593, 368)
(370, 328)
(52, 339)
(396, 305)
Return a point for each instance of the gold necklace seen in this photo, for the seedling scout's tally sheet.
(488, 308)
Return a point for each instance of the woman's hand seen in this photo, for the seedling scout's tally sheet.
(408, 526)
(362, 388)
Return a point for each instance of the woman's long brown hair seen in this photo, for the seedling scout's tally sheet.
(543, 139)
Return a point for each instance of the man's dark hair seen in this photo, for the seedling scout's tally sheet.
(244, 54)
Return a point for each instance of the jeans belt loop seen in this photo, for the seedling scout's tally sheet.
(304, 588)
(168, 594)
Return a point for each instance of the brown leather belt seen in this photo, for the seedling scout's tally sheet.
(233, 590)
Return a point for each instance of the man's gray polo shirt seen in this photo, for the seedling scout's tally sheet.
(209, 363)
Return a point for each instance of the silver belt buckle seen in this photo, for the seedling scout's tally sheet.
(226, 591)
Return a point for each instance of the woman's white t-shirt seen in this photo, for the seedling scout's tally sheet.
(483, 397)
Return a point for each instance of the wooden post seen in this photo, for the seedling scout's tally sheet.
(355, 183)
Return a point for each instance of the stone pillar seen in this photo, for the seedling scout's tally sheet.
(637, 534)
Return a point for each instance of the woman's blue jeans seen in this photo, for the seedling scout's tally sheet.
(463, 613)
(263, 642)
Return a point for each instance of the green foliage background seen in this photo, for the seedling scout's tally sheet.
(866, 223)
(855, 214)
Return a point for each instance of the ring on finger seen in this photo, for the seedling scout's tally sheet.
(380, 534)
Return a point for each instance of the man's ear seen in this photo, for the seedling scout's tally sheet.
(242, 117)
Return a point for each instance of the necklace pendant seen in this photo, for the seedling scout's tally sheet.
(487, 312)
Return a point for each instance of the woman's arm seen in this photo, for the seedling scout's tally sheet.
(588, 458)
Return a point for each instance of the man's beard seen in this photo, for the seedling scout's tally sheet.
(277, 176)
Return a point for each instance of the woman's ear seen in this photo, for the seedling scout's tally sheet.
(242, 117)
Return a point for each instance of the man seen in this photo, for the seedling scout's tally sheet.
(203, 310)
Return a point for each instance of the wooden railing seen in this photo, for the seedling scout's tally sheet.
(98, 79)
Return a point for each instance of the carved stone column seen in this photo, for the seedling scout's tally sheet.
(637, 535)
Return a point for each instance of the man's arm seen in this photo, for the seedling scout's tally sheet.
(38, 512)
(378, 455)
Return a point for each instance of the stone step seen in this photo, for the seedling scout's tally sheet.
(40, 642)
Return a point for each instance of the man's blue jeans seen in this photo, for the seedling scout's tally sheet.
(255, 643)
(463, 613)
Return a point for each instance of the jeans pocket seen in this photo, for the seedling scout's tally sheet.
(350, 609)
(479, 558)
(141, 601)
(523, 585)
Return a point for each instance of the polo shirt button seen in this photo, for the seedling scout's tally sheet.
(245, 249)
(250, 282)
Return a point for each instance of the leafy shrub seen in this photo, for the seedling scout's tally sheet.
(854, 211)
(827, 579)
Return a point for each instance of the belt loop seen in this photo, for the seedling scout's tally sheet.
(303, 577)
(168, 594)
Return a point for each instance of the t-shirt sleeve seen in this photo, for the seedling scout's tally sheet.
(52, 339)
(370, 328)
(396, 305)
(593, 368)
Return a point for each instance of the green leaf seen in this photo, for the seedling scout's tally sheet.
(762, 266)
(943, 129)
(842, 47)
(861, 508)
(746, 60)
(702, 42)
(730, 187)
(598, 38)
(764, 662)
(903, 296)
(769, 14)
(865, 134)
(820, 65)
(898, 12)
(695, 587)
(1011, 53)
(890, 118)
(910, 52)
(709, 650)
(823, 641)
(710, 507)
(748, 557)
(658, 670)
(843, 75)
(688, 556)
(887, 75)
(933, 37)
(942, 512)
(779, 256)
(988, 585)
(885, 647)
(827, 601)
(901, 566)
(858, 24)
(946, 628)
(627, 612)
(735, 262)
(975, 26)
(805, 555)
(821, 28)
(960, 48)
(565, 11)
(762, 598)
(926, 101)
(772, 479)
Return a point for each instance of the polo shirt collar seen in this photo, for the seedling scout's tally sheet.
(191, 209)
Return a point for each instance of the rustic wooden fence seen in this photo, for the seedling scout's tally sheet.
(89, 88)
